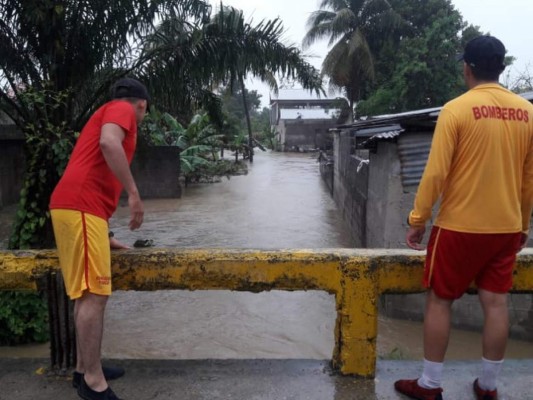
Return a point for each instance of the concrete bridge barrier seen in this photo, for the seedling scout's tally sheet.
(356, 277)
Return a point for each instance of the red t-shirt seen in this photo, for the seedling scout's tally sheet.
(88, 184)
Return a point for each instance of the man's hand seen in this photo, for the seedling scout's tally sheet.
(136, 211)
(116, 245)
(414, 237)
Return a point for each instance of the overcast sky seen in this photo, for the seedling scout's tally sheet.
(509, 20)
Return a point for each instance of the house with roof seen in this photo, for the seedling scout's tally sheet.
(302, 120)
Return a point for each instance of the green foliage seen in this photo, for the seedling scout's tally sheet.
(53, 44)
(23, 318)
(267, 136)
(232, 102)
(48, 147)
(416, 64)
(212, 171)
(160, 129)
(392, 56)
(223, 48)
(199, 142)
(235, 119)
(350, 26)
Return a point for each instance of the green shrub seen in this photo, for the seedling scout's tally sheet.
(23, 318)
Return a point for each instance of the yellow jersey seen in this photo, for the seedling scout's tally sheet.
(480, 164)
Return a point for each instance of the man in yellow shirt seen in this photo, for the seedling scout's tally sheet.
(481, 168)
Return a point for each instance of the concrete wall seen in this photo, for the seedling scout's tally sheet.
(326, 165)
(350, 187)
(387, 208)
(156, 171)
(12, 164)
(377, 219)
(303, 135)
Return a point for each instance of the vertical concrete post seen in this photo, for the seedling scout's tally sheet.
(356, 330)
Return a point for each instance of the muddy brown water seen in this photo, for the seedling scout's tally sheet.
(281, 203)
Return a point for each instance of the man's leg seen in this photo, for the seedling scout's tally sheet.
(436, 334)
(437, 319)
(496, 327)
(89, 331)
(79, 359)
(495, 334)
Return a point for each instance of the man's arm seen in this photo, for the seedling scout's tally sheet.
(527, 195)
(437, 168)
(435, 174)
(111, 139)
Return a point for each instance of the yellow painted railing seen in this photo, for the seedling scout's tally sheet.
(356, 277)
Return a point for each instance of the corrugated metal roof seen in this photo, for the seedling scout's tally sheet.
(382, 135)
(388, 119)
(369, 132)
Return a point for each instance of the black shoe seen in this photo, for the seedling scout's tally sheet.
(86, 393)
(110, 373)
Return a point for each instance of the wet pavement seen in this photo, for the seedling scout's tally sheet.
(256, 380)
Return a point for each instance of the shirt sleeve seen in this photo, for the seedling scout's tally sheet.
(437, 168)
(122, 114)
(527, 190)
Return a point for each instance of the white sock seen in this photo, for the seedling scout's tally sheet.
(490, 371)
(432, 375)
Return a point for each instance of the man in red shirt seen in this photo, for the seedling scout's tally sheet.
(81, 205)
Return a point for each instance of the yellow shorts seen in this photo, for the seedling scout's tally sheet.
(84, 254)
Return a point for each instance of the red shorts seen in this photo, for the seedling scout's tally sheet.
(456, 259)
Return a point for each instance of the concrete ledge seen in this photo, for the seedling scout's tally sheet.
(356, 277)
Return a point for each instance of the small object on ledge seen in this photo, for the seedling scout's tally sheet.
(143, 243)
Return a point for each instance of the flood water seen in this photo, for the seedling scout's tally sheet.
(281, 203)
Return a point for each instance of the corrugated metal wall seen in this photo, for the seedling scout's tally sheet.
(413, 150)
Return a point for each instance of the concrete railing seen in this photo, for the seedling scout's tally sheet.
(356, 277)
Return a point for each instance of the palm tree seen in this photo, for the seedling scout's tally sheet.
(349, 24)
(226, 49)
(57, 61)
(244, 49)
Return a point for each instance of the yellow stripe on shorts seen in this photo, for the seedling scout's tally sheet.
(432, 263)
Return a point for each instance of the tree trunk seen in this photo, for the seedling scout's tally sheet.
(248, 123)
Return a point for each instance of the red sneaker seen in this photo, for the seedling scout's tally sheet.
(410, 388)
(484, 394)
